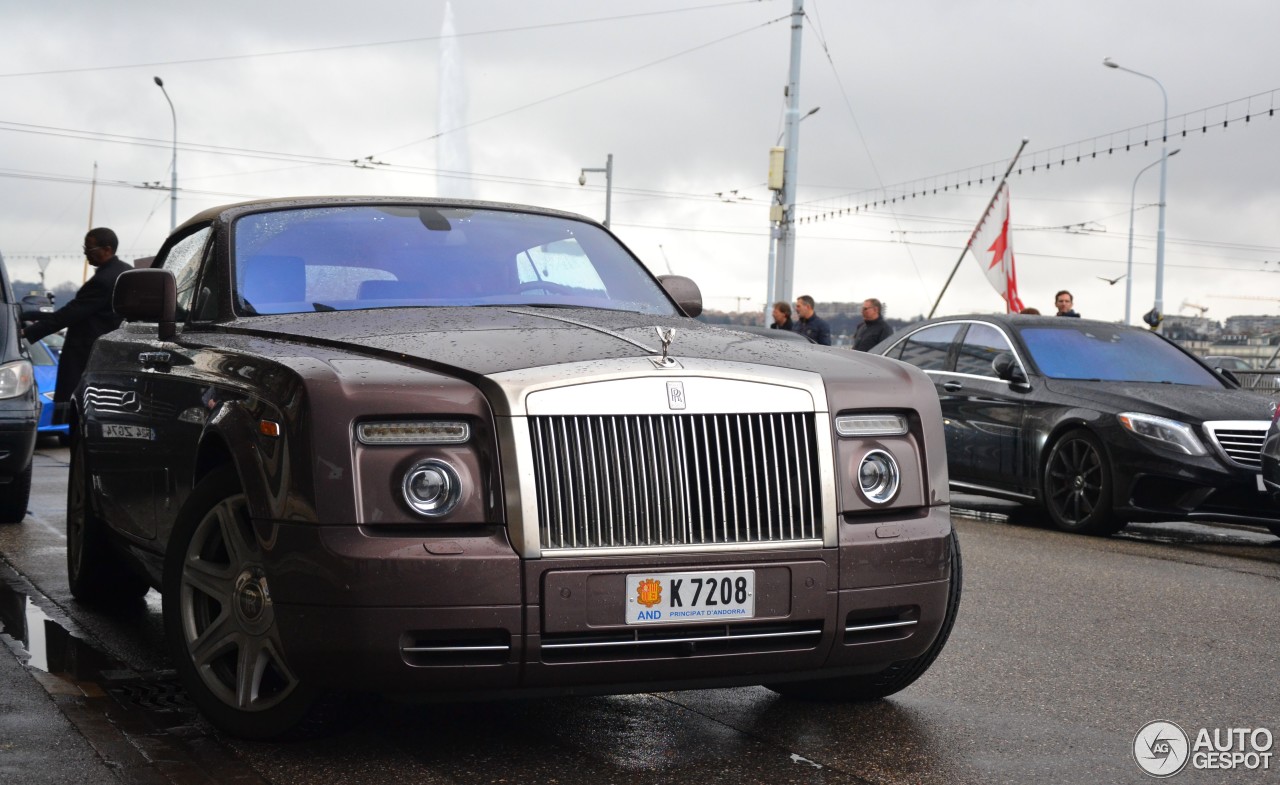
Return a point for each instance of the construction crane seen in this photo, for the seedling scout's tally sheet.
(1244, 297)
(1186, 304)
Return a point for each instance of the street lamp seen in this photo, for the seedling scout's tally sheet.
(608, 185)
(1164, 157)
(1128, 281)
(173, 186)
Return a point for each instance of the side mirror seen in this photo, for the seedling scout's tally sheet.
(1007, 368)
(684, 291)
(34, 305)
(147, 295)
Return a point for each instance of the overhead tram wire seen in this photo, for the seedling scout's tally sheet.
(582, 87)
(400, 42)
(817, 31)
(1218, 116)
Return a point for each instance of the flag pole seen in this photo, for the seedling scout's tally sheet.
(985, 210)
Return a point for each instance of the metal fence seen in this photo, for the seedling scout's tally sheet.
(1262, 381)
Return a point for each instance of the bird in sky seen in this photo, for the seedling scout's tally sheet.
(1113, 281)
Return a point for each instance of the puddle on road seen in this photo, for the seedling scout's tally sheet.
(44, 644)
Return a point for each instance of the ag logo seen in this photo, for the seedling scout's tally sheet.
(1160, 748)
(649, 592)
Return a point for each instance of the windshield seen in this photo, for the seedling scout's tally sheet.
(1111, 353)
(350, 258)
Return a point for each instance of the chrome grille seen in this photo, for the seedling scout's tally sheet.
(675, 480)
(1240, 442)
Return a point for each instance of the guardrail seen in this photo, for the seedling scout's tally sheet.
(1262, 381)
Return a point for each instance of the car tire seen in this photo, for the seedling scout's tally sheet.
(1076, 485)
(218, 616)
(897, 676)
(94, 571)
(14, 497)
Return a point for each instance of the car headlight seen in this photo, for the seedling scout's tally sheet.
(871, 425)
(1169, 433)
(432, 488)
(16, 378)
(424, 432)
(878, 477)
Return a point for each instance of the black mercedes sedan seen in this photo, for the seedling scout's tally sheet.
(1098, 423)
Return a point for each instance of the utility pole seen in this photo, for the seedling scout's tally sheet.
(782, 215)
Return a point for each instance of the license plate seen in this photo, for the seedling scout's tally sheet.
(113, 431)
(690, 596)
(1262, 486)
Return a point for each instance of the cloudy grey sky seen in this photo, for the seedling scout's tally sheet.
(276, 98)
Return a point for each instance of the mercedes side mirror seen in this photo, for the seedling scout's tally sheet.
(1007, 368)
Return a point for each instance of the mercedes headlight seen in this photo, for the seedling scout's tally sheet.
(1168, 433)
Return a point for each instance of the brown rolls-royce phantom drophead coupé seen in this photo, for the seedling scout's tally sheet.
(450, 449)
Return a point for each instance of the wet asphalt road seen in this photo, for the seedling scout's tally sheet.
(1065, 646)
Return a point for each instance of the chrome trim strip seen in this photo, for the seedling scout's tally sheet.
(427, 649)
(983, 490)
(664, 641)
(651, 550)
(883, 626)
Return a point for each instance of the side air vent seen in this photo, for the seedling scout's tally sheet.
(879, 625)
(426, 648)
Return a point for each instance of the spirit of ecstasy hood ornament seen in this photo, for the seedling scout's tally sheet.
(665, 334)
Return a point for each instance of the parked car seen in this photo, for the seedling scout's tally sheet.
(19, 408)
(44, 359)
(1227, 362)
(1271, 457)
(452, 448)
(1097, 423)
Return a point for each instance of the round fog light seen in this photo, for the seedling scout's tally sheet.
(878, 477)
(432, 487)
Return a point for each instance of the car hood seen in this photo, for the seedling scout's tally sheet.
(1187, 403)
(490, 340)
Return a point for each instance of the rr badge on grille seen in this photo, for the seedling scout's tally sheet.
(649, 592)
(675, 395)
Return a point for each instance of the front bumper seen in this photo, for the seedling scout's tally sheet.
(360, 609)
(1150, 487)
(17, 442)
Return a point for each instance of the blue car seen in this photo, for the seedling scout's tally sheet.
(44, 358)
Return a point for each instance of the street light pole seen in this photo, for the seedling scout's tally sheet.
(1133, 194)
(1164, 159)
(173, 182)
(608, 185)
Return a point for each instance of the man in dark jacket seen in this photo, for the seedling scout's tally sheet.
(873, 329)
(86, 317)
(810, 325)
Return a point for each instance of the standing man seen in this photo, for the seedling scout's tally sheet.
(873, 329)
(86, 317)
(1065, 301)
(782, 317)
(810, 325)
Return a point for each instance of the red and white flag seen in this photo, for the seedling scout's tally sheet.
(993, 248)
